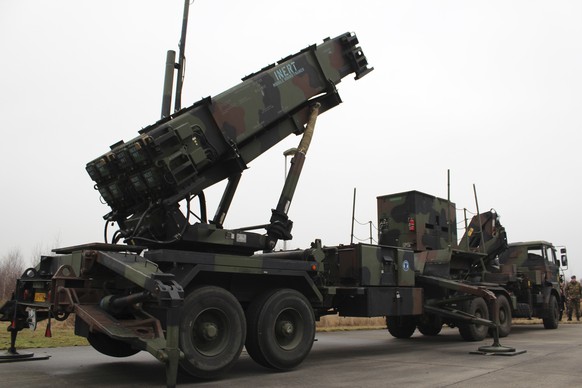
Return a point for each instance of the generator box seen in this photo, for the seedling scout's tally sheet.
(417, 221)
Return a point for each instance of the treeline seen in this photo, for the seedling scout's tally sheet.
(12, 265)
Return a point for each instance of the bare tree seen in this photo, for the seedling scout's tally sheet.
(11, 268)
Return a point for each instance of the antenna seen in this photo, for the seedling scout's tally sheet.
(181, 58)
(353, 216)
(171, 65)
(482, 244)
(449, 215)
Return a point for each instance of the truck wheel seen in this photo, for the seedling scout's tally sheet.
(401, 327)
(252, 343)
(109, 346)
(553, 314)
(281, 329)
(472, 331)
(504, 316)
(212, 332)
(430, 325)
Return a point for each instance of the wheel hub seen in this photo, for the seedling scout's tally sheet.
(286, 328)
(209, 331)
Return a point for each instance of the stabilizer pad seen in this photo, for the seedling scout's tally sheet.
(15, 356)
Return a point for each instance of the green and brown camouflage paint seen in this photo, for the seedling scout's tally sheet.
(217, 137)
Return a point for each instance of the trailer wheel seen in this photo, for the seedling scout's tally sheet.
(430, 325)
(472, 331)
(281, 329)
(212, 332)
(401, 326)
(504, 311)
(109, 346)
(553, 315)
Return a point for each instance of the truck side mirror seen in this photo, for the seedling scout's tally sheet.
(564, 258)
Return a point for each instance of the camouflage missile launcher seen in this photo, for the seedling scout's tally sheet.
(193, 293)
(175, 159)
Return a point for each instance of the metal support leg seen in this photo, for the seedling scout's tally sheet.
(172, 346)
(496, 348)
(11, 354)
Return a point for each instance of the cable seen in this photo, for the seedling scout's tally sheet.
(178, 236)
(365, 239)
(116, 237)
(105, 231)
(366, 223)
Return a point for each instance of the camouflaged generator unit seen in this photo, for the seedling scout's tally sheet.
(417, 221)
(522, 278)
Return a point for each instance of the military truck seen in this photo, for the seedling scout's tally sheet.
(531, 271)
(524, 277)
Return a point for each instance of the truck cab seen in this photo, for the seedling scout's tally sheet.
(533, 277)
(537, 258)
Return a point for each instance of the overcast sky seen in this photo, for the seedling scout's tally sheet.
(490, 90)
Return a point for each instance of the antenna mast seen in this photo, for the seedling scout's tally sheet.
(171, 65)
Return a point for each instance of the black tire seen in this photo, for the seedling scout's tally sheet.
(109, 346)
(505, 317)
(430, 325)
(252, 314)
(401, 327)
(552, 318)
(472, 331)
(212, 332)
(281, 329)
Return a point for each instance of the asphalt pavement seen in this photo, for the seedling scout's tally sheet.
(370, 358)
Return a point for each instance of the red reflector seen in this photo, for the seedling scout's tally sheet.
(48, 333)
(411, 225)
(314, 267)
